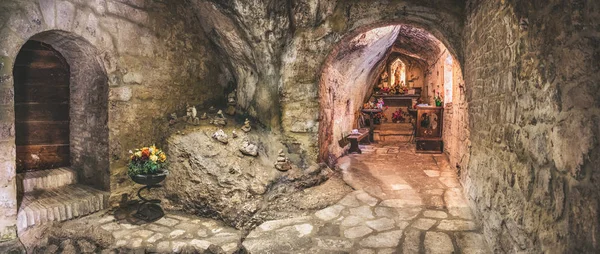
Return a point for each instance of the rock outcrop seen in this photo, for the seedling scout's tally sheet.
(213, 179)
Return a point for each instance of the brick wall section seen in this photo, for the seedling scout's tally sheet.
(531, 71)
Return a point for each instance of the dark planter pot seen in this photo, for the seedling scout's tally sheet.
(153, 179)
(149, 209)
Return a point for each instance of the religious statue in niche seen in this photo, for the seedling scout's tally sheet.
(397, 78)
(398, 69)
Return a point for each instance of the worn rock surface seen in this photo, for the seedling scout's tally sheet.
(276, 51)
(217, 180)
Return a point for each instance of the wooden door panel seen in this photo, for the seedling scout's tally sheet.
(28, 56)
(41, 108)
(57, 94)
(42, 112)
(34, 157)
(42, 133)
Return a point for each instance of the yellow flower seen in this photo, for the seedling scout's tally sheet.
(138, 154)
(153, 158)
(163, 157)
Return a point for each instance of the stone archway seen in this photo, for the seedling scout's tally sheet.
(362, 55)
(88, 107)
(79, 189)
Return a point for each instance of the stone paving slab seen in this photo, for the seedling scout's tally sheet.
(403, 204)
(172, 234)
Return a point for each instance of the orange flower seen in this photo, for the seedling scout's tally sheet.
(145, 152)
(163, 157)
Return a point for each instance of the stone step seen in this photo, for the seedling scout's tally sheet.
(394, 129)
(45, 179)
(59, 204)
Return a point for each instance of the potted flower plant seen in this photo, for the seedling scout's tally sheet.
(147, 165)
(397, 116)
(438, 100)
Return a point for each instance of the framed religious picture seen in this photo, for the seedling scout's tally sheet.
(429, 129)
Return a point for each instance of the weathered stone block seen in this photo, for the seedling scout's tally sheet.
(126, 11)
(133, 77)
(8, 169)
(123, 93)
(65, 15)
(7, 96)
(7, 130)
(49, 12)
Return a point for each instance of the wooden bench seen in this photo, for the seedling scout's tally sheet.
(355, 138)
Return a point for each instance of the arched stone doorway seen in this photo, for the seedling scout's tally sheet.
(66, 136)
(41, 77)
(355, 67)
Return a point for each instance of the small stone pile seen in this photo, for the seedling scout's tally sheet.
(192, 116)
(220, 120)
(283, 163)
(246, 128)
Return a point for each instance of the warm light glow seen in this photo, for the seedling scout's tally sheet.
(448, 79)
(397, 66)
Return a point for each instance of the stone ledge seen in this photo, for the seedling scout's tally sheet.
(45, 179)
(59, 204)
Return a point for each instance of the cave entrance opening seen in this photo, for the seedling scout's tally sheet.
(397, 75)
(398, 69)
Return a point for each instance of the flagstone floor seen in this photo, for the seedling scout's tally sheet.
(404, 203)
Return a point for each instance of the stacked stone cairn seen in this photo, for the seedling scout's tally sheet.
(220, 120)
(246, 128)
(192, 116)
(283, 163)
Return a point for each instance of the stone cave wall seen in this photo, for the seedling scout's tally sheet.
(153, 67)
(456, 122)
(309, 49)
(532, 73)
(277, 51)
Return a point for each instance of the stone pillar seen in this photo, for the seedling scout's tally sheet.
(8, 190)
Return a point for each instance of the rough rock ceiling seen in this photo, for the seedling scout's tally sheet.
(417, 43)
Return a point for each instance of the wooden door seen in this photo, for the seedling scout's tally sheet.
(41, 76)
